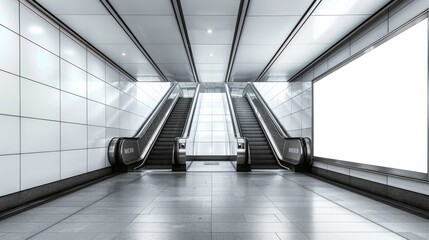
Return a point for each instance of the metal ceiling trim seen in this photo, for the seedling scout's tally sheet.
(377, 14)
(241, 18)
(131, 35)
(180, 19)
(75, 35)
(289, 38)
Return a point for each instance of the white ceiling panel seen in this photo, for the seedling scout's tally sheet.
(222, 27)
(212, 76)
(154, 29)
(255, 53)
(256, 30)
(287, 70)
(278, 7)
(248, 69)
(211, 67)
(96, 28)
(210, 7)
(175, 69)
(220, 53)
(349, 7)
(301, 53)
(319, 29)
(79, 7)
(116, 53)
(167, 53)
(139, 69)
(142, 7)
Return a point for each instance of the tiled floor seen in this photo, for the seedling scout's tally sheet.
(214, 205)
(211, 166)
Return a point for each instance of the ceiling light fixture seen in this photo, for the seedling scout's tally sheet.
(209, 31)
(124, 54)
(211, 54)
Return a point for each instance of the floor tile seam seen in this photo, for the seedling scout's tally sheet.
(274, 205)
(53, 224)
(358, 214)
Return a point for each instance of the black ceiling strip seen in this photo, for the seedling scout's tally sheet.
(131, 35)
(289, 38)
(180, 18)
(70, 31)
(357, 29)
(241, 17)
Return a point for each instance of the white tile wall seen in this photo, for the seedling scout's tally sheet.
(9, 174)
(39, 65)
(10, 137)
(9, 51)
(39, 101)
(73, 163)
(73, 136)
(9, 94)
(39, 135)
(96, 67)
(50, 114)
(96, 114)
(72, 52)
(73, 79)
(39, 168)
(9, 14)
(73, 108)
(39, 31)
(96, 137)
(96, 158)
(96, 89)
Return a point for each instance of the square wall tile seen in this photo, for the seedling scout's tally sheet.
(9, 14)
(112, 117)
(96, 89)
(9, 51)
(112, 76)
(73, 136)
(96, 114)
(9, 174)
(39, 65)
(73, 163)
(96, 159)
(73, 108)
(73, 79)
(9, 94)
(39, 31)
(39, 168)
(39, 135)
(72, 51)
(10, 137)
(96, 137)
(96, 67)
(39, 101)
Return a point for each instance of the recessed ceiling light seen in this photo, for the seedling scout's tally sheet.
(209, 31)
(211, 54)
(36, 30)
(124, 54)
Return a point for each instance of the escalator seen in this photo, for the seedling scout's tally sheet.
(161, 153)
(261, 152)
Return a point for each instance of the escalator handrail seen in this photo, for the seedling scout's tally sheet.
(235, 124)
(191, 113)
(273, 118)
(155, 111)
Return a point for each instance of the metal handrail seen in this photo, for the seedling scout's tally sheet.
(155, 111)
(190, 117)
(237, 130)
(292, 151)
(273, 118)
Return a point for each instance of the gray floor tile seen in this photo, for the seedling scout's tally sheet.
(254, 227)
(64, 236)
(244, 236)
(164, 236)
(261, 218)
(292, 236)
(17, 236)
(172, 218)
(354, 236)
(168, 227)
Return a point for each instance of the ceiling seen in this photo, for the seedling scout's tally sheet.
(193, 40)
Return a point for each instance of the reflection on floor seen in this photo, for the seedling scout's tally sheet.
(217, 205)
(211, 166)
